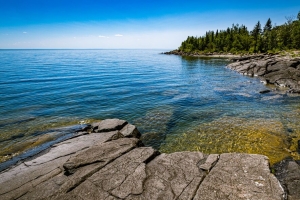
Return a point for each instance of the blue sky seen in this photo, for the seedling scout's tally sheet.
(162, 24)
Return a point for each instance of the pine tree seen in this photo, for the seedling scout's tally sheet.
(268, 26)
(266, 35)
(298, 16)
(256, 33)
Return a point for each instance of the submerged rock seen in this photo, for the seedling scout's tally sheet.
(233, 134)
(265, 91)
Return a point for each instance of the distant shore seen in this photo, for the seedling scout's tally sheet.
(208, 55)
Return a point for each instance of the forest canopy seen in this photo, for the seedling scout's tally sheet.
(238, 39)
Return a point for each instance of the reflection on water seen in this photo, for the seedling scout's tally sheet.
(178, 103)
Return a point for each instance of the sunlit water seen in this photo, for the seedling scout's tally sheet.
(177, 103)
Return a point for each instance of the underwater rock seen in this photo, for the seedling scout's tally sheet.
(233, 134)
(265, 91)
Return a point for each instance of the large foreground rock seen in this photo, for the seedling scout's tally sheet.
(240, 176)
(102, 166)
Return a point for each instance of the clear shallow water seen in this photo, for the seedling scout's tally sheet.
(168, 97)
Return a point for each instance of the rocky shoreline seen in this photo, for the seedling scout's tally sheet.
(196, 54)
(281, 71)
(108, 161)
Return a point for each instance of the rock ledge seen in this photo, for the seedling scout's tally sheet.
(115, 165)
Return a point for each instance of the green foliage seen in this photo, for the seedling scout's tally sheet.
(238, 39)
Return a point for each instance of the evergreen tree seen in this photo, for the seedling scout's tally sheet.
(256, 35)
(238, 39)
(268, 26)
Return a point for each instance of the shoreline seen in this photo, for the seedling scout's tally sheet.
(282, 71)
(111, 162)
(208, 55)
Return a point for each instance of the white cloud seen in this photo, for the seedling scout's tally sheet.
(102, 36)
(118, 35)
(24, 32)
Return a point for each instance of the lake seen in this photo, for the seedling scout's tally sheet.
(177, 103)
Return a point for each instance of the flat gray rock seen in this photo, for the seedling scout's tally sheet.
(119, 179)
(240, 176)
(95, 166)
(20, 179)
(108, 125)
(101, 153)
(172, 176)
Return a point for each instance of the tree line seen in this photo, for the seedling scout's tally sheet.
(238, 39)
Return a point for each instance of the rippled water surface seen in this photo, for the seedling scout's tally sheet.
(177, 103)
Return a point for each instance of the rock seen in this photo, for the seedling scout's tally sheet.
(24, 177)
(130, 131)
(94, 166)
(101, 153)
(288, 173)
(299, 146)
(172, 176)
(109, 125)
(240, 176)
(119, 179)
(265, 91)
(275, 70)
(210, 162)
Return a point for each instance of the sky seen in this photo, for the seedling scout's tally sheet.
(127, 24)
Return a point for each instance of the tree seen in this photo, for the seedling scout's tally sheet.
(256, 34)
(238, 39)
(268, 26)
(266, 38)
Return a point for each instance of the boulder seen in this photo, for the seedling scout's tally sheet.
(130, 131)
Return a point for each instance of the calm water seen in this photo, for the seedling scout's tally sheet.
(168, 97)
